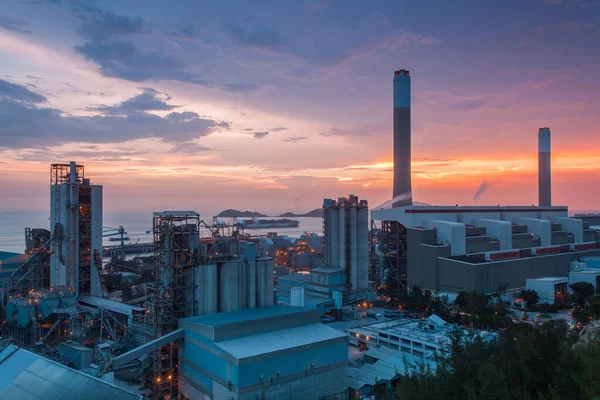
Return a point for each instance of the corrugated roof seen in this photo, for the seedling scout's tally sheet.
(114, 306)
(379, 371)
(355, 384)
(362, 375)
(24, 375)
(268, 342)
(245, 315)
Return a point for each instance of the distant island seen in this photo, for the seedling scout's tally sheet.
(316, 213)
(230, 213)
(235, 213)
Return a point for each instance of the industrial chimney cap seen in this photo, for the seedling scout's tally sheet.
(402, 72)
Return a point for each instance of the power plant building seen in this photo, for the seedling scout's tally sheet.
(475, 248)
(76, 223)
(276, 352)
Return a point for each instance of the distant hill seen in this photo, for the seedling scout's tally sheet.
(316, 213)
(235, 213)
(418, 203)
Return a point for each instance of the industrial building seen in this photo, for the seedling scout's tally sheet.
(76, 223)
(267, 353)
(25, 375)
(54, 295)
(588, 276)
(303, 253)
(345, 257)
(468, 248)
(550, 289)
(274, 352)
(346, 238)
(396, 347)
(451, 249)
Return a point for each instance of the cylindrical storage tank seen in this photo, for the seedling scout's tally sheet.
(362, 228)
(353, 250)
(210, 289)
(260, 283)
(242, 285)
(333, 237)
(269, 277)
(228, 287)
(342, 237)
(251, 284)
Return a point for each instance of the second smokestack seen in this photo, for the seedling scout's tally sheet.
(544, 168)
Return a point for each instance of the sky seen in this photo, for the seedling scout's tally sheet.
(274, 105)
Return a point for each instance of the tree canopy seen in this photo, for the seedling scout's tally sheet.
(525, 363)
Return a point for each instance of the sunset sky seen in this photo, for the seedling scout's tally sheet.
(274, 105)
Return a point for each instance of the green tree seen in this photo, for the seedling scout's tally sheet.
(524, 363)
(582, 290)
(530, 296)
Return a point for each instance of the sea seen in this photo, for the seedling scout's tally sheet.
(136, 224)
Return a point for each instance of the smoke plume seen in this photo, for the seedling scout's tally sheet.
(485, 185)
(390, 203)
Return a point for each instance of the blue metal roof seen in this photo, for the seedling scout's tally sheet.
(246, 315)
(24, 375)
(7, 254)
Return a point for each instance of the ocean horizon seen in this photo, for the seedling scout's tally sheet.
(13, 224)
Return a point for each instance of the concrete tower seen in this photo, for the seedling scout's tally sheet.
(346, 231)
(402, 195)
(544, 172)
(75, 212)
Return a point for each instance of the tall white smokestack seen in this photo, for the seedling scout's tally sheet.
(544, 171)
(402, 174)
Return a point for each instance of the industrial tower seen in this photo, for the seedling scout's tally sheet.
(544, 168)
(402, 194)
(75, 207)
(346, 235)
(176, 248)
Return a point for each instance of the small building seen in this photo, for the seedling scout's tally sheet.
(550, 289)
(275, 352)
(590, 276)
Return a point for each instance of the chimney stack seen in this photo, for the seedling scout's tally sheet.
(402, 194)
(544, 171)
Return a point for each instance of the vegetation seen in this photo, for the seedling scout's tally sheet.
(589, 311)
(530, 296)
(417, 300)
(482, 310)
(581, 291)
(525, 363)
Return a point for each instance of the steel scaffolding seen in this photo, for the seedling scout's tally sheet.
(389, 255)
(176, 247)
(85, 239)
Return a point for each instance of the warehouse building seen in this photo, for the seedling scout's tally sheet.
(25, 375)
(276, 352)
(476, 248)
